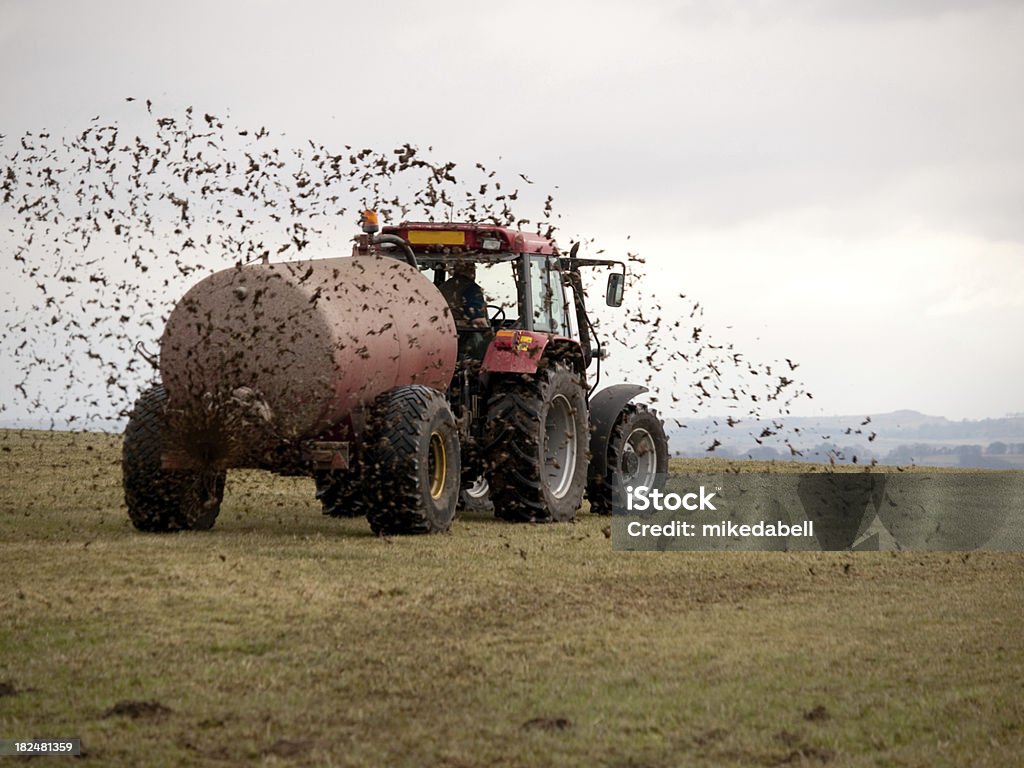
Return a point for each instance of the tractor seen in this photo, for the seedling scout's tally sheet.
(368, 374)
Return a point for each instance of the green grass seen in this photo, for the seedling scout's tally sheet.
(285, 638)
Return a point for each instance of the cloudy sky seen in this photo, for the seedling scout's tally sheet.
(838, 182)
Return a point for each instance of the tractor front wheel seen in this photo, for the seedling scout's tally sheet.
(637, 454)
(476, 496)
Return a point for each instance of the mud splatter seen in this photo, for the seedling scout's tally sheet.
(108, 225)
(139, 710)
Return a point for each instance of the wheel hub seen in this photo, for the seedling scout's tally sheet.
(639, 460)
(437, 465)
(629, 463)
(560, 446)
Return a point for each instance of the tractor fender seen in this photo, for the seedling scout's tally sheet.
(605, 408)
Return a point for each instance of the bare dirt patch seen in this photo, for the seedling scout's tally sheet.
(138, 710)
(548, 724)
(817, 715)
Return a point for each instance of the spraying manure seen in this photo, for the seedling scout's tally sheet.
(363, 371)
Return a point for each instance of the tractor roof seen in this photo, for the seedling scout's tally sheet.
(455, 237)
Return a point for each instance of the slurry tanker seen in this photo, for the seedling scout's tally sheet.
(358, 372)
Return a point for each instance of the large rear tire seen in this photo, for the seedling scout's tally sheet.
(637, 452)
(413, 463)
(161, 500)
(539, 429)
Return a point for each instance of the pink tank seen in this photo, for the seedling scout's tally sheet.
(306, 342)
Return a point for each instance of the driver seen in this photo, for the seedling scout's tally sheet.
(465, 297)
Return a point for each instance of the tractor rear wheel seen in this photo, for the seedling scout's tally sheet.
(413, 462)
(637, 453)
(159, 499)
(539, 428)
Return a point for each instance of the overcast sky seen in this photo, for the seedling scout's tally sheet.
(839, 183)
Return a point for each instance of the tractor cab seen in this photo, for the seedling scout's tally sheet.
(501, 262)
(504, 285)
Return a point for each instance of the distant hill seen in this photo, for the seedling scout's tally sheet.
(899, 437)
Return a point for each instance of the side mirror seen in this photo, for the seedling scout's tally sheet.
(613, 293)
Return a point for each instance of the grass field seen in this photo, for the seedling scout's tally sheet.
(285, 638)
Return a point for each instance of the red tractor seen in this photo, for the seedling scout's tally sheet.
(440, 362)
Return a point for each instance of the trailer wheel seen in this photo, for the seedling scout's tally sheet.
(413, 462)
(158, 499)
(340, 493)
(637, 451)
(538, 465)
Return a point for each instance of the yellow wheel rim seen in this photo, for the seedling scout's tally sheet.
(438, 468)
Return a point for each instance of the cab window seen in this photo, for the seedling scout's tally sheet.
(547, 297)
